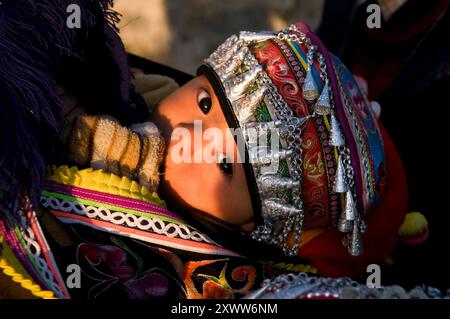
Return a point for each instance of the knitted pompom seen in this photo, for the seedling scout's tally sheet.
(414, 230)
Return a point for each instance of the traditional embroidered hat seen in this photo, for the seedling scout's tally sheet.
(329, 152)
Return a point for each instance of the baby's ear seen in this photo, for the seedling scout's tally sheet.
(154, 88)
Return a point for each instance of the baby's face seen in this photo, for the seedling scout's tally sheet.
(201, 171)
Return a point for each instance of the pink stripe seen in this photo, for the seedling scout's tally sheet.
(47, 254)
(114, 200)
(127, 231)
(18, 252)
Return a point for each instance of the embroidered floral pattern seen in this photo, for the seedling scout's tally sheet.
(139, 284)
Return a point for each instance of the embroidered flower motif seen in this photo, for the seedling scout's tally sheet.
(213, 287)
(108, 265)
(148, 286)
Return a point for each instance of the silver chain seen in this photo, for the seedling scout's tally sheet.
(292, 286)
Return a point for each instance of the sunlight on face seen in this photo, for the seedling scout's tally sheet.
(201, 170)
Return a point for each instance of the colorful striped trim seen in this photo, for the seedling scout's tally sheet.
(27, 284)
(117, 205)
(149, 223)
(162, 240)
(118, 202)
(27, 242)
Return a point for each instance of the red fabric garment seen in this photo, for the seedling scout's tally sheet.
(327, 254)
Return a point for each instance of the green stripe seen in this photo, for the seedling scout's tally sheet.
(110, 207)
(31, 259)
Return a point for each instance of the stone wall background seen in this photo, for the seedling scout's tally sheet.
(181, 33)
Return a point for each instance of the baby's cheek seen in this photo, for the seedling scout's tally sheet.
(201, 186)
(188, 185)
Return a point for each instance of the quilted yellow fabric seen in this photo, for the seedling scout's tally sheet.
(101, 181)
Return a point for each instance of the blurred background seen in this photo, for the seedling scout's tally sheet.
(182, 33)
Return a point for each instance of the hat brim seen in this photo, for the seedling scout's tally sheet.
(233, 122)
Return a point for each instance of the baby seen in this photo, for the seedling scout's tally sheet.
(276, 140)
(330, 172)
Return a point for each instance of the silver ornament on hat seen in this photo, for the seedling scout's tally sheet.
(322, 106)
(224, 52)
(245, 107)
(348, 215)
(272, 184)
(263, 155)
(340, 182)
(263, 232)
(336, 137)
(236, 87)
(242, 78)
(274, 207)
(229, 67)
(264, 125)
(252, 129)
(376, 108)
(249, 36)
(353, 241)
(310, 91)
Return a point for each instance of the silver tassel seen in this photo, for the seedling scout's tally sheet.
(310, 91)
(340, 183)
(348, 215)
(336, 139)
(275, 208)
(322, 106)
(271, 184)
(350, 210)
(344, 225)
(353, 242)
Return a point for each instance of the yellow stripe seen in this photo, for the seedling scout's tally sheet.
(27, 284)
(100, 181)
(294, 49)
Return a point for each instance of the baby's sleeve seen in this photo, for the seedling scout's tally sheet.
(101, 142)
